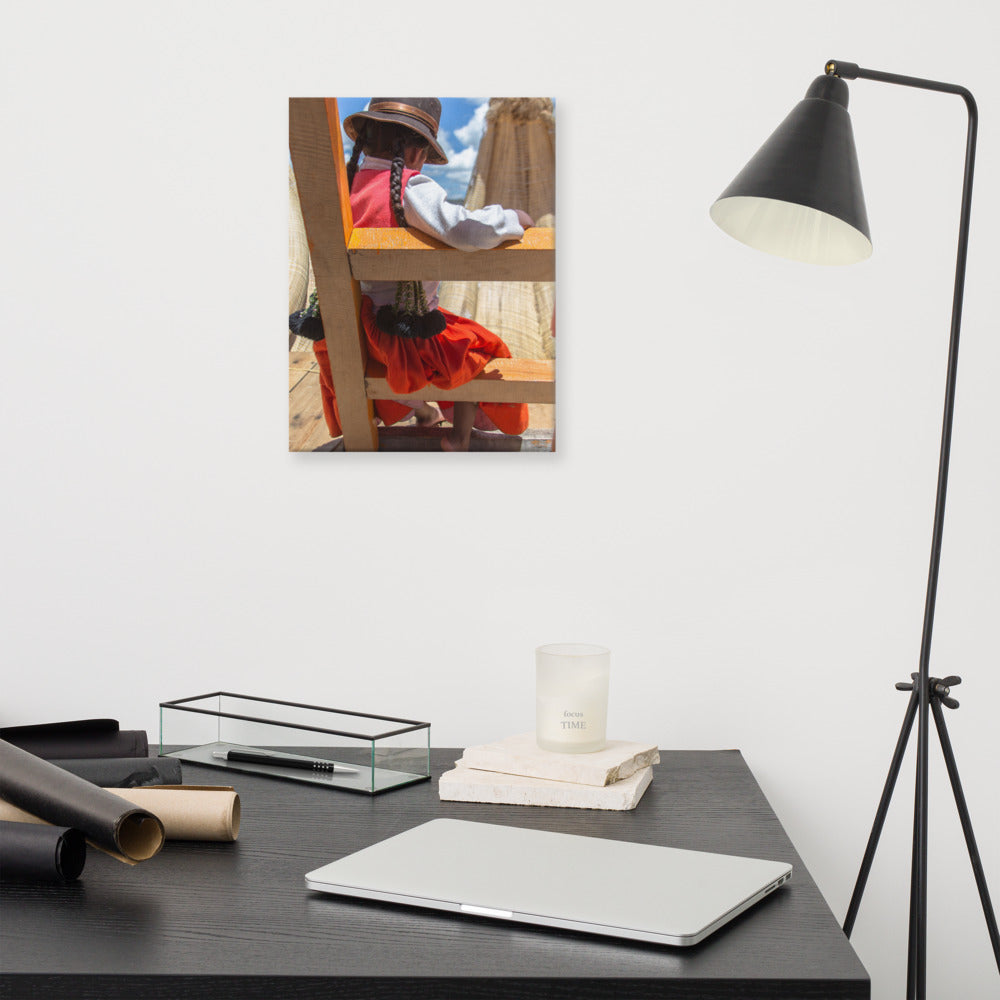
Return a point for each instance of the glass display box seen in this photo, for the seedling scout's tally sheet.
(329, 747)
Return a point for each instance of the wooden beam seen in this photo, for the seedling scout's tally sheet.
(504, 380)
(320, 174)
(407, 255)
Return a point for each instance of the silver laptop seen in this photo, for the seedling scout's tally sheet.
(636, 891)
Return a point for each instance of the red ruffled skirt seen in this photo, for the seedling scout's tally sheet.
(452, 358)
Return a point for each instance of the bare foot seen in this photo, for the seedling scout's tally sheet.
(453, 442)
(457, 438)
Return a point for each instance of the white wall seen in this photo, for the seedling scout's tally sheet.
(743, 517)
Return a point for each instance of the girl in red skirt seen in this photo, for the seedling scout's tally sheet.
(421, 345)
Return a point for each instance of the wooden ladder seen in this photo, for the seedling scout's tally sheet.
(342, 256)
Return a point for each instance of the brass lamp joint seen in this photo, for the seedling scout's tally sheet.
(844, 70)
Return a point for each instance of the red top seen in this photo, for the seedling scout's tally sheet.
(371, 204)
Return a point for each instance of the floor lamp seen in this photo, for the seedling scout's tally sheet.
(800, 197)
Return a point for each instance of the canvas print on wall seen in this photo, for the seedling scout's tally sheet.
(421, 269)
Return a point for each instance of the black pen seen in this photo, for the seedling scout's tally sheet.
(275, 760)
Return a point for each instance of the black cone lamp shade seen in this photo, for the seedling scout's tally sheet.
(800, 196)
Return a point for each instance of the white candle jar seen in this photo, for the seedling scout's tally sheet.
(571, 708)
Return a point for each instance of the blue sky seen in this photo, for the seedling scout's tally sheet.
(462, 120)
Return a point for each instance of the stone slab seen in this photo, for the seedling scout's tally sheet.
(521, 755)
(467, 784)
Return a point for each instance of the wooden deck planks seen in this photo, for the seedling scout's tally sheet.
(307, 428)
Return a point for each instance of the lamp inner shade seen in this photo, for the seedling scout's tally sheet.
(790, 230)
(800, 194)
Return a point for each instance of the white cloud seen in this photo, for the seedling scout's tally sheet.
(470, 133)
(454, 177)
(462, 162)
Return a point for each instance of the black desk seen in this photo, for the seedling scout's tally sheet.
(235, 920)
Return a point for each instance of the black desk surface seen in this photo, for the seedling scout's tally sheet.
(235, 920)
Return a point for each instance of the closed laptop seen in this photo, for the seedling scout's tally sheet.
(639, 891)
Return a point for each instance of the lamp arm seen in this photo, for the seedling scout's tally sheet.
(852, 71)
(918, 899)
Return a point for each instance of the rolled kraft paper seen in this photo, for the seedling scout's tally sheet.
(187, 812)
(63, 799)
(190, 812)
(125, 772)
(41, 853)
(78, 738)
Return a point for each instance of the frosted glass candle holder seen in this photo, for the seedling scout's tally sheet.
(571, 709)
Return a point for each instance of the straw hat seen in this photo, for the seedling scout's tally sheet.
(419, 114)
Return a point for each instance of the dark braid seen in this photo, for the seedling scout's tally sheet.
(396, 181)
(352, 164)
(409, 317)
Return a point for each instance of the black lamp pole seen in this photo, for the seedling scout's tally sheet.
(930, 691)
(800, 197)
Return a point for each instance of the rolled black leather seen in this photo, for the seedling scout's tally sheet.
(125, 772)
(78, 738)
(51, 794)
(35, 853)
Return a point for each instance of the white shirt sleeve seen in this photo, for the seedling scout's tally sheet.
(426, 208)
